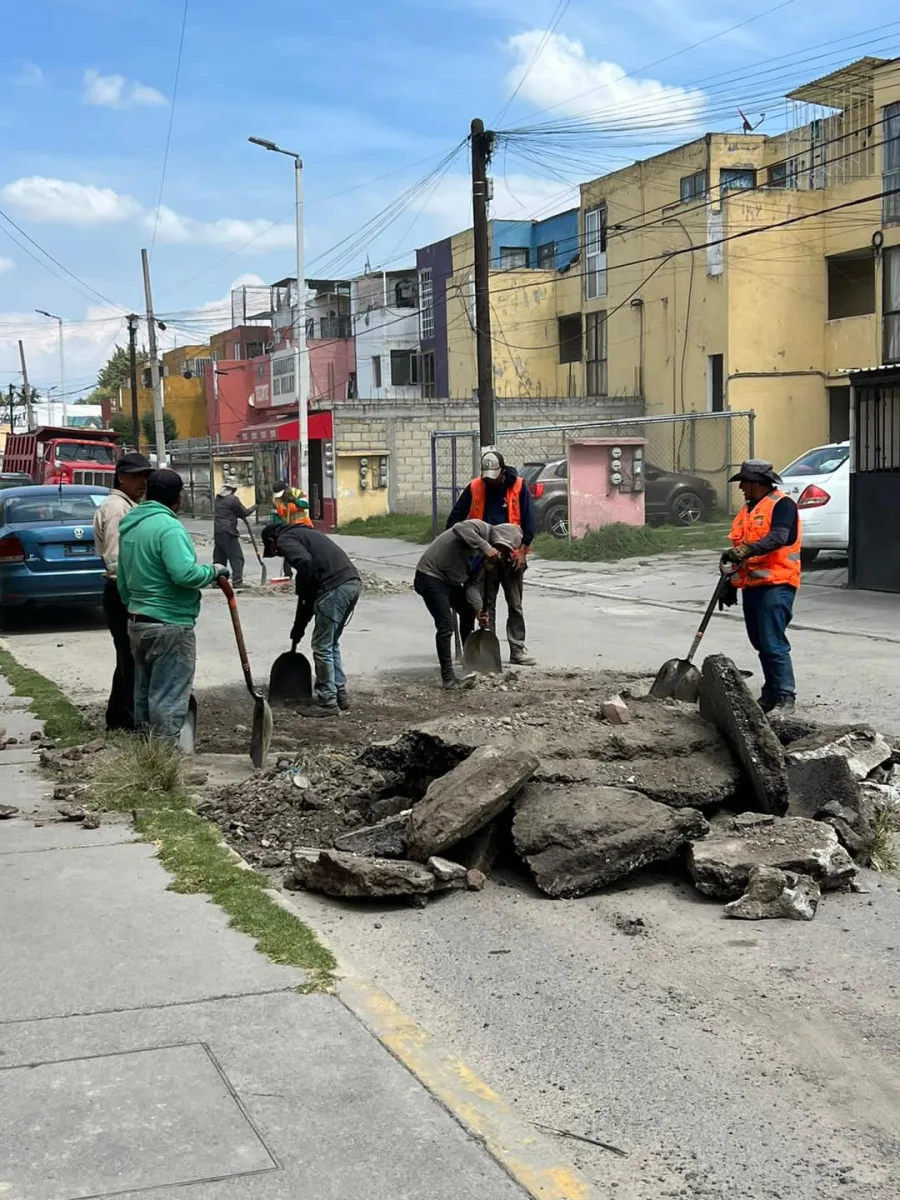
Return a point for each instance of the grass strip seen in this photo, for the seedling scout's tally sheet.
(63, 722)
(611, 543)
(146, 778)
(409, 527)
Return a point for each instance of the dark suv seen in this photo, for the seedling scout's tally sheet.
(668, 496)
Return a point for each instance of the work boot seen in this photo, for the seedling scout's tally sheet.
(521, 658)
(784, 706)
(456, 683)
(766, 703)
(343, 700)
(321, 708)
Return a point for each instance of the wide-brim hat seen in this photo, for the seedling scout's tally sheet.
(756, 470)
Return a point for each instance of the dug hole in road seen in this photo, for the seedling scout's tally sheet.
(725, 1059)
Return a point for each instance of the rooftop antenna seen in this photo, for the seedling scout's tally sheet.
(748, 127)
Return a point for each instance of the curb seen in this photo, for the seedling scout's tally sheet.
(526, 1155)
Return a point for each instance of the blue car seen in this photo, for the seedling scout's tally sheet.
(47, 553)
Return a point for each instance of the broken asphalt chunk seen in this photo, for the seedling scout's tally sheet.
(387, 839)
(860, 745)
(351, 875)
(774, 894)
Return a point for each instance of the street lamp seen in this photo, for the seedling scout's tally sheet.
(301, 360)
(62, 360)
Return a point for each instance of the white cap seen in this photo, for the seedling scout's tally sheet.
(490, 465)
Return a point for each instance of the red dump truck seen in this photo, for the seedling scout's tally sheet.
(64, 455)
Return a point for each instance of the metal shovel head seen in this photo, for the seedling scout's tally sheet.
(677, 679)
(187, 739)
(481, 653)
(261, 733)
(290, 680)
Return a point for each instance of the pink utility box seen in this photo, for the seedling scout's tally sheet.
(606, 483)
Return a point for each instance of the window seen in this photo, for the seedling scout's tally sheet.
(777, 175)
(693, 186)
(376, 371)
(570, 339)
(851, 285)
(546, 256)
(254, 349)
(715, 382)
(79, 452)
(737, 180)
(196, 366)
(428, 386)
(595, 253)
(426, 305)
(352, 390)
(513, 258)
(596, 354)
(891, 176)
(404, 294)
(838, 414)
(70, 510)
(892, 305)
(824, 461)
(404, 368)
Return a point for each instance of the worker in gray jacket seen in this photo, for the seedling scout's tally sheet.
(227, 550)
(450, 578)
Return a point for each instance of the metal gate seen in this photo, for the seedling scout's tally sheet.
(709, 445)
(875, 480)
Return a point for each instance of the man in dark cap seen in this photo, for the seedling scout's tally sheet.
(227, 511)
(129, 486)
(159, 582)
(499, 496)
(764, 565)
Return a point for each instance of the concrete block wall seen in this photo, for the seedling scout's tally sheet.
(402, 429)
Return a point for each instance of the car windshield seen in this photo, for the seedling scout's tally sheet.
(93, 452)
(823, 461)
(52, 510)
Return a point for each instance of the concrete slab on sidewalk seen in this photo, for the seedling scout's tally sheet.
(292, 1087)
(19, 836)
(96, 929)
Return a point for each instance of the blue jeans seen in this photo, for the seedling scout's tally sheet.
(333, 609)
(767, 614)
(164, 660)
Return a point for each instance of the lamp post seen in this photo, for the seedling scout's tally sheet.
(62, 361)
(301, 359)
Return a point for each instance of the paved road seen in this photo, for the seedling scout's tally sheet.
(729, 1062)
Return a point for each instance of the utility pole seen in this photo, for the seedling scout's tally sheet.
(155, 377)
(133, 320)
(12, 410)
(482, 143)
(29, 412)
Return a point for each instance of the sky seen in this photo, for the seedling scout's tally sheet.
(101, 155)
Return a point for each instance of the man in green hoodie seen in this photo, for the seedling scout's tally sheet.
(159, 581)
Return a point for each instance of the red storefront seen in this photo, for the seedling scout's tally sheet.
(276, 458)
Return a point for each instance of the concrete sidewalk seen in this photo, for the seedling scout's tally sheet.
(146, 1046)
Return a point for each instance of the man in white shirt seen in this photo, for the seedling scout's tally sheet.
(129, 486)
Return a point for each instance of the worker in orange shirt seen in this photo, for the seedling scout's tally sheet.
(289, 507)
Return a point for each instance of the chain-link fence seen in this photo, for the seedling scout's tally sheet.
(205, 464)
(704, 446)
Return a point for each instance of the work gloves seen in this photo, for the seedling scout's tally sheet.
(737, 554)
(220, 572)
(727, 596)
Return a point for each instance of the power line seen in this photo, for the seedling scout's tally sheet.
(81, 283)
(558, 14)
(165, 162)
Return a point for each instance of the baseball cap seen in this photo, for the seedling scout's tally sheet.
(279, 489)
(491, 465)
(164, 486)
(133, 464)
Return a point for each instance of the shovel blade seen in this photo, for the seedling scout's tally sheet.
(481, 653)
(677, 679)
(290, 680)
(187, 739)
(261, 733)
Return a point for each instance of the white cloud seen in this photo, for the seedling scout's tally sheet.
(565, 78)
(115, 91)
(6, 264)
(89, 341)
(62, 202)
(28, 75)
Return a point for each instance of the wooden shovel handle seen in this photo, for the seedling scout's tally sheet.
(228, 593)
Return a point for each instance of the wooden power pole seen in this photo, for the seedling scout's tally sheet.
(482, 143)
(155, 376)
(29, 411)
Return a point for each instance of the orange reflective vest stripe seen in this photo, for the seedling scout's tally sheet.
(478, 488)
(778, 566)
(288, 512)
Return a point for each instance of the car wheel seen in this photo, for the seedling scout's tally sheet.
(686, 509)
(808, 557)
(556, 520)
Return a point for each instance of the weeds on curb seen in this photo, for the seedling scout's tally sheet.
(884, 853)
(63, 722)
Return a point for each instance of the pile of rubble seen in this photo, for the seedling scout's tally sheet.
(764, 815)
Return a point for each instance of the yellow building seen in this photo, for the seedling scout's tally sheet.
(795, 252)
(184, 390)
(738, 271)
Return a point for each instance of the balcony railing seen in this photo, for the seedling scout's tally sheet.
(328, 327)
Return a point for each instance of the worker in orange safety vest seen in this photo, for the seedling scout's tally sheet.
(499, 496)
(763, 564)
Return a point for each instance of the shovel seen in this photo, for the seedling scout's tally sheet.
(481, 653)
(261, 735)
(679, 679)
(187, 739)
(290, 680)
(262, 565)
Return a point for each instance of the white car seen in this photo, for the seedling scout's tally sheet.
(819, 481)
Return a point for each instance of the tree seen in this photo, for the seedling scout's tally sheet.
(120, 422)
(148, 428)
(117, 372)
